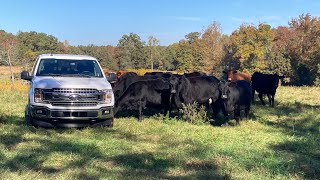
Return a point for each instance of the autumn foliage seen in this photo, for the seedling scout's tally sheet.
(293, 50)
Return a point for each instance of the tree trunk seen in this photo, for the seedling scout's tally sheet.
(11, 71)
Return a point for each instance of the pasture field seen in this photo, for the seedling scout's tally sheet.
(276, 143)
(4, 70)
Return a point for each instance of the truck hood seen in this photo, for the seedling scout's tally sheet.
(70, 82)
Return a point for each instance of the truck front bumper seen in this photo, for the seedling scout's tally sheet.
(43, 116)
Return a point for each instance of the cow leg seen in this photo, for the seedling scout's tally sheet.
(246, 111)
(140, 112)
(237, 116)
(253, 91)
(216, 106)
(166, 107)
(171, 104)
(270, 99)
(207, 106)
(261, 99)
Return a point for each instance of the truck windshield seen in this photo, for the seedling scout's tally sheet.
(67, 67)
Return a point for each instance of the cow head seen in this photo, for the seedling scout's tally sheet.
(224, 88)
(173, 81)
(276, 79)
(230, 74)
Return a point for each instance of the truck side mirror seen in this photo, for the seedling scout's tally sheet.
(25, 75)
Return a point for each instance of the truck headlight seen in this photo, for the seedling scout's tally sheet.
(107, 96)
(38, 96)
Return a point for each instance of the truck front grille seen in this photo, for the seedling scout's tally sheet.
(75, 90)
(64, 114)
(73, 97)
(74, 104)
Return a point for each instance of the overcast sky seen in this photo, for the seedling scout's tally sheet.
(103, 22)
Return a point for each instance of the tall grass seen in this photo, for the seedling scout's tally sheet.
(276, 143)
(4, 70)
(6, 85)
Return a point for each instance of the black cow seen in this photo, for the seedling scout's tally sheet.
(265, 84)
(235, 96)
(125, 81)
(200, 89)
(153, 93)
(153, 73)
(195, 74)
(158, 74)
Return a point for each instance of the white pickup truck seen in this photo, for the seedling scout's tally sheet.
(68, 91)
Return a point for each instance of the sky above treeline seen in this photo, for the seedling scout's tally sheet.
(103, 22)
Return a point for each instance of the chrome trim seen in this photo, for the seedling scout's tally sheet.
(73, 104)
(73, 97)
(75, 90)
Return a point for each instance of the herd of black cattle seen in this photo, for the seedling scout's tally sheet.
(167, 91)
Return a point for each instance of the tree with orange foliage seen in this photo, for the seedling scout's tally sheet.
(8, 46)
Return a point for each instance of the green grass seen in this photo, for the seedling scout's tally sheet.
(276, 143)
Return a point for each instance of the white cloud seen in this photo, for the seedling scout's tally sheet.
(255, 20)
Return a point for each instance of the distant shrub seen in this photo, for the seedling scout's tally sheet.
(194, 114)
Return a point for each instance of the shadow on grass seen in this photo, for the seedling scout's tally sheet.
(30, 158)
(147, 165)
(38, 150)
(302, 122)
(134, 113)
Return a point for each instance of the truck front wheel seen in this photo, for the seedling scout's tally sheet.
(111, 123)
(28, 120)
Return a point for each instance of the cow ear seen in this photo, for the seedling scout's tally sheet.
(235, 71)
(232, 84)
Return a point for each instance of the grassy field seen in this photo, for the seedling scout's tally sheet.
(4, 70)
(276, 143)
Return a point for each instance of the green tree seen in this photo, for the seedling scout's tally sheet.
(169, 60)
(131, 52)
(185, 59)
(192, 37)
(253, 46)
(188, 56)
(31, 44)
(153, 52)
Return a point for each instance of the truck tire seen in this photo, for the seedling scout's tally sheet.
(111, 123)
(28, 118)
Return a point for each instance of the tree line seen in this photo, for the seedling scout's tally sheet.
(293, 50)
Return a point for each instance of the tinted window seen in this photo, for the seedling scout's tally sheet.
(65, 67)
